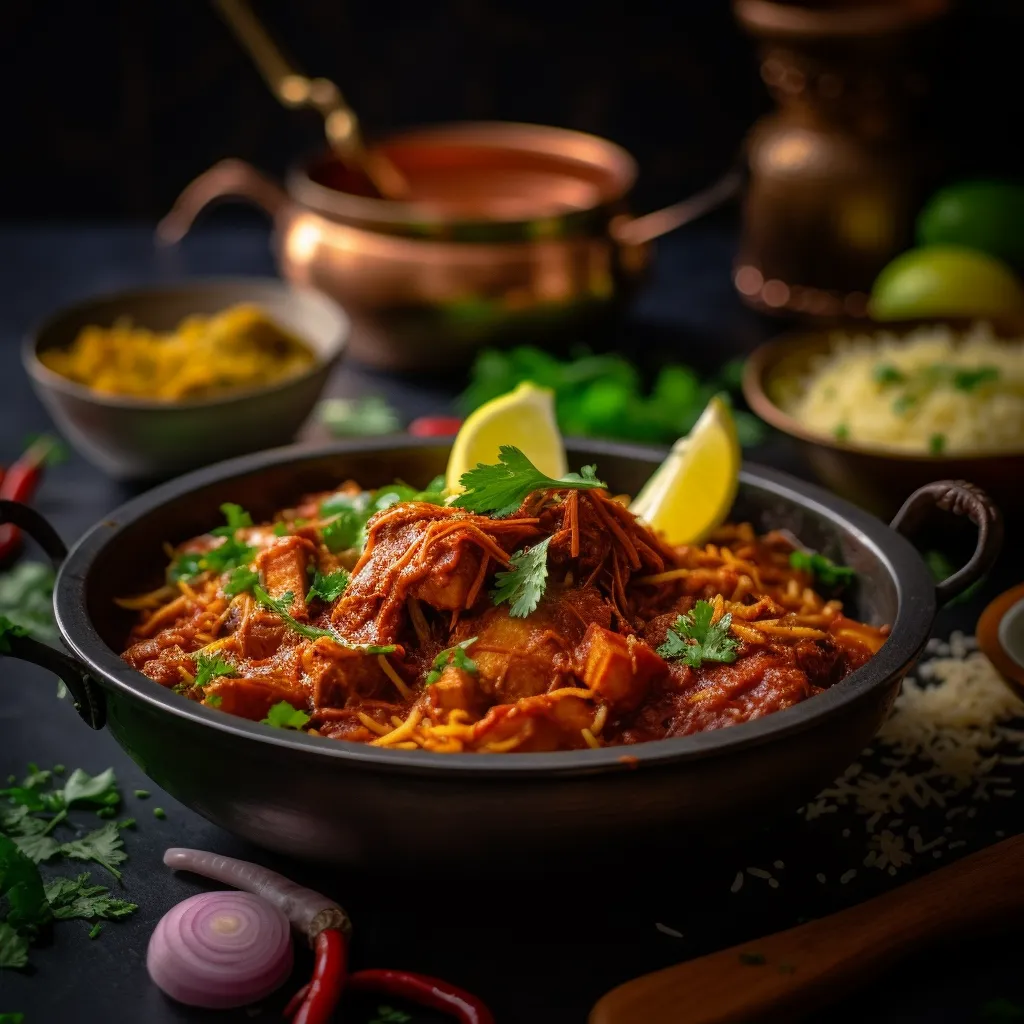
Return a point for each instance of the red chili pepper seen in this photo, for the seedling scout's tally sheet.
(435, 426)
(421, 988)
(19, 484)
(317, 1000)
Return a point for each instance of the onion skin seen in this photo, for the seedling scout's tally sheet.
(219, 950)
(308, 911)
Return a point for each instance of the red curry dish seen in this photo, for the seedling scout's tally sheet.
(394, 619)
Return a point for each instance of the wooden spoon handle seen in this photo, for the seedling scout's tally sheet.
(811, 965)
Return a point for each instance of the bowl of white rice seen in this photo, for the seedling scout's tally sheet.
(879, 411)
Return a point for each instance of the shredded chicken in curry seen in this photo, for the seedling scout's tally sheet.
(567, 624)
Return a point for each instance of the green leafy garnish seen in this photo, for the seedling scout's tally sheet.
(13, 951)
(283, 716)
(936, 444)
(22, 885)
(142, 794)
(82, 787)
(104, 846)
(968, 380)
(12, 1018)
(95, 930)
(344, 530)
(210, 666)
(280, 529)
(213, 700)
(456, 656)
(500, 489)
(230, 554)
(841, 432)
(75, 897)
(389, 1015)
(694, 639)
(241, 579)
(328, 587)
(886, 373)
(823, 569)
(281, 605)
(160, 813)
(524, 583)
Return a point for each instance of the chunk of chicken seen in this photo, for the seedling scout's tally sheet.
(619, 668)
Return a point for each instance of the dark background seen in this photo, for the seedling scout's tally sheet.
(111, 106)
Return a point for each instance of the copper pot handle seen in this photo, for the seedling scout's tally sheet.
(234, 179)
(962, 499)
(640, 230)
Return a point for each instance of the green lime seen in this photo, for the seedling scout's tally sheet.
(945, 280)
(984, 215)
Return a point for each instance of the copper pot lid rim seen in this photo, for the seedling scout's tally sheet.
(592, 151)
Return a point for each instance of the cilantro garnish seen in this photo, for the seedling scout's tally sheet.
(26, 601)
(209, 666)
(344, 531)
(936, 444)
(693, 638)
(348, 514)
(280, 529)
(241, 579)
(75, 897)
(280, 606)
(456, 656)
(523, 584)
(387, 1015)
(213, 700)
(823, 569)
(230, 554)
(968, 380)
(104, 846)
(328, 587)
(283, 716)
(886, 373)
(500, 489)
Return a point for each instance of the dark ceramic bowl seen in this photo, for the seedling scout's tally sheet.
(352, 804)
(135, 439)
(877, 479)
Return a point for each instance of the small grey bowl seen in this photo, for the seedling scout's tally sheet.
(138, 439)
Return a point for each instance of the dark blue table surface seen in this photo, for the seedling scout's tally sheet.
(538, 957)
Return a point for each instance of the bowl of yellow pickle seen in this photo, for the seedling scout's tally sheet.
(150, 383)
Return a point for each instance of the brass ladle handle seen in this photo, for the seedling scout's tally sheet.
(295, 90)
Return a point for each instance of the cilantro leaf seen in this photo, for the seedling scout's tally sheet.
(75, 897)
(82, 787)
(524, 583)
(22, 884)
(283, 716)
(7, 630)
(500, 489)
(237, 519)
(389, 1015)
(942, 568)
(13, 950)
(344, 531)
(456, 656)
(104, 846)
(968, 380)
(693, 638)
(328, 588)
(823, 569)
(370, 414)
(209, 666)
(280, 606)
(241, 580)
(213, 700)
(37, 846)
(185, 567)
(280, 529)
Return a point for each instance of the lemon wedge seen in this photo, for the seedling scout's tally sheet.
(523, 418)
(692, 491)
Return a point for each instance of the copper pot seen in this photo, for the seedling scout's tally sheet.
(513, 231)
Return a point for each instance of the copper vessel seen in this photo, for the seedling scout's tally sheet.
(512, 232)
(838, 171)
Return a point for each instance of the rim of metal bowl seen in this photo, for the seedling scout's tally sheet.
(42, 375)
(909, 632)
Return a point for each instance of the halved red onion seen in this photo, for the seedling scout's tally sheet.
(220, 949)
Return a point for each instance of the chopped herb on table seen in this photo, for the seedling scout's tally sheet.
(523, 584)
(694, 639)
(30, 816)
(26, 600)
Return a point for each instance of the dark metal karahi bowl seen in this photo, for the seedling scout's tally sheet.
(352, 804)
